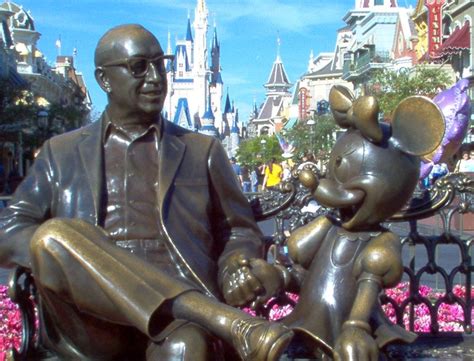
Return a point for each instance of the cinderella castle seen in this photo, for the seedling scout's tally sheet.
(195, 86)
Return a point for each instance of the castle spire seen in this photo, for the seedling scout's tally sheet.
(209, 115)
(227, 107)
(189, 34)
(207, 121)
(216, 77)
(201, 6)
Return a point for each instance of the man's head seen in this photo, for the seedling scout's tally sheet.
(233, 160)
(131, 70)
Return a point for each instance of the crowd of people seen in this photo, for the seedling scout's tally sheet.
(466, 163)
(265, 176)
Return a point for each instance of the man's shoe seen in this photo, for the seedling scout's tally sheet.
(259, 340)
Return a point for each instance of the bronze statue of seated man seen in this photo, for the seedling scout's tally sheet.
(134, 230)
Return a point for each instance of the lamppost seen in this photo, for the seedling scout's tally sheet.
(311, 123)
(263, 143)
(43, 125)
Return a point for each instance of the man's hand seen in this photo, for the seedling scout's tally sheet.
(355, 344)
(271, 278)
(247, 281)
(239, 285)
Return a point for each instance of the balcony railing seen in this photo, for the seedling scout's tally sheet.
(364, 61)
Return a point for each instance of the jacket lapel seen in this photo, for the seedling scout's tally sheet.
(90, 150)
(171, 155)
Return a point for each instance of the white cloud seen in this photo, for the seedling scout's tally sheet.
(297, 16)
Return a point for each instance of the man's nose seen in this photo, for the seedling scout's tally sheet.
(153, 74)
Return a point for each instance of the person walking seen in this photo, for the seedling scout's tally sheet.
(254, 177)
(286, 174)
(246, 182)
(237, 169)
(466, 163)
(273, 174)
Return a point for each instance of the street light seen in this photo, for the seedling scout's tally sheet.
(311, 123)
(43, 125)
(263, 143)
(42, 119)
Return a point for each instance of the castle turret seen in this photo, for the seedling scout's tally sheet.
(207, 122)
(215, 83)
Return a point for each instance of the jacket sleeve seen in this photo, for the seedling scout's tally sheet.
(234, 226)
(29, 207)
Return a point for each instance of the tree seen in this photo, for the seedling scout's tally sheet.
(17, 103)
(391, 87)
(317, 139)
(252, 151)
(73, 116)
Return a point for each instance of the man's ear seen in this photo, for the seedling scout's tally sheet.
(102, 79)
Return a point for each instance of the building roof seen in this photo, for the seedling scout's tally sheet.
(328, 69)
(371, 3)
(21, 19)
(181, 53)
(208, 114)
(182, 116)
(5, 34)
(272, 107)
(278, 77)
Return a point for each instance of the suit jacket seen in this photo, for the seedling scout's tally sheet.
(204, 214)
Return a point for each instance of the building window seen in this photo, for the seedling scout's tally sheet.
(378, 2)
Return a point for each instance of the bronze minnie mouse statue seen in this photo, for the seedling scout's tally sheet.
(349, 258)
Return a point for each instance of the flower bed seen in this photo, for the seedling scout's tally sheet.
(450, 317)
(10, 326)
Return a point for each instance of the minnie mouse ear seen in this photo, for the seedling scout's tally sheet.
(340, 101)
(417, 125)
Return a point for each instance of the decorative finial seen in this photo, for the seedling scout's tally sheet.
(278, 44)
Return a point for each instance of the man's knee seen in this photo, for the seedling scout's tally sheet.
(59, 232)
(189, 342)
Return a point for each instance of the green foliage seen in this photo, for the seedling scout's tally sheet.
(391, 87)
(18, 107)
(317, 139)
(72, 116)
(253, 151)
(16, 103)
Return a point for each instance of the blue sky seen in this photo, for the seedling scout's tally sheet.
(247, 31)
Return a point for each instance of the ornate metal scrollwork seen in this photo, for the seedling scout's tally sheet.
(441, 196)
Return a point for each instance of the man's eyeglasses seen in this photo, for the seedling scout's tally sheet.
(138, 66)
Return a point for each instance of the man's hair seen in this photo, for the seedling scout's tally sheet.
(232, 159)
(112, 39)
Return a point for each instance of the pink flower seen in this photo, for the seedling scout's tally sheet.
(10, 327)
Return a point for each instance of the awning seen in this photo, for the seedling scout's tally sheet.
(459, 40)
